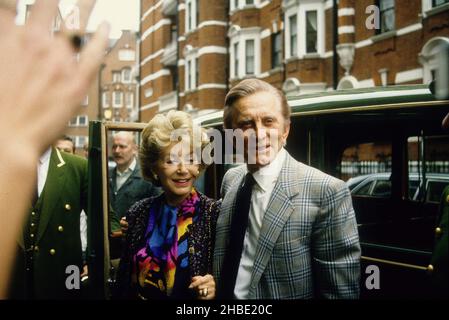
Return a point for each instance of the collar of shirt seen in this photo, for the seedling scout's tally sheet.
(42, 170)
(267, 176)
(45, 156)
(130, 169)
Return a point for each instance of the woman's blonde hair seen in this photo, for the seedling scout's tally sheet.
(161, 132)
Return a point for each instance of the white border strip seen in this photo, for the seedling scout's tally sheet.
(209, 23)
(343, 12)
(400, 32)
(364, 43)
(409, 75)
(153, 76)
(149, 106)
(346, 29)
(153, 28)
(409, 29)
(148, 12)
(151, 57)
(211, 86)
(265, 34)
(360, 96)
(212, 49)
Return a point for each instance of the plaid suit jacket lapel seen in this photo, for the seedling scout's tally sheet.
(276, 216)
(229, 194)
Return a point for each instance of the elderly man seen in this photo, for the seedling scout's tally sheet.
(286, 230)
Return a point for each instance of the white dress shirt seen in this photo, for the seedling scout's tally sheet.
(42, 170)
(265, 178)
(123, 176)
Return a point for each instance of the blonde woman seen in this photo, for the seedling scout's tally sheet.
(170, 237)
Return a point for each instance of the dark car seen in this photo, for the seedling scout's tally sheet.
(379, 185)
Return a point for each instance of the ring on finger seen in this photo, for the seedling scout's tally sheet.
(205, 292)
(77, 41)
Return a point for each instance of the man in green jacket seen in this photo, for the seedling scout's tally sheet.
(50, 249)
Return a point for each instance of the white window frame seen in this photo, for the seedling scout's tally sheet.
(427, 6)
(191, 60)
(287, 34)
(127, 54)
(77, 121)
(123, 75)
(105, 99)
(242, 4)
(114, 94)
(116, 76)
(80, 141)
(129, 103)
(300, 10)
(193, 5)
(86, 121)
(240, 36)
(73, 123)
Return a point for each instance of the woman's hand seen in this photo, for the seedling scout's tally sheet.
(204, 286)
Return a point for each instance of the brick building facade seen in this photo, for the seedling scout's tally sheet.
(113, 96)
(118, 79)
(192, 51)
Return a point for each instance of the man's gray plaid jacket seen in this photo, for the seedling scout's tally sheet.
(308, 246)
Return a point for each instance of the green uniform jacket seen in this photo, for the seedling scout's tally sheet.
(439, 260)
(51, 239)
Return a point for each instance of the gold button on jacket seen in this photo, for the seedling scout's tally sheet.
(67, 207)
(52, 252)
(60, 229)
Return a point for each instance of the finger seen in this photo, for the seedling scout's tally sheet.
(93, 53)
(76, 21)
(6, 20)
(42, 13)
(196, 283)
(8, 5)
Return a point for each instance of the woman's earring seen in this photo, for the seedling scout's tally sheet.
(156, 177)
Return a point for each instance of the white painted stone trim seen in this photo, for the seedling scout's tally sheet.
(153, 76)
(151, 9)
(209, 23)
(205, 86)
(153, 28)
(212, 49)
(409, 75)
(343, 12)
(265, 34)
(151, 57)
(409, 29)
(149, 106)
(346, 29)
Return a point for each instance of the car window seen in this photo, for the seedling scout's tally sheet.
(382, 189)
(363, 164)
(363, 189)
(435, 190)
(428, 158)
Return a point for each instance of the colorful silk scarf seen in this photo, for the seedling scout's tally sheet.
(166, 246)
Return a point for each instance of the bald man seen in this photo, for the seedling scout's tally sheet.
(126, 185)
